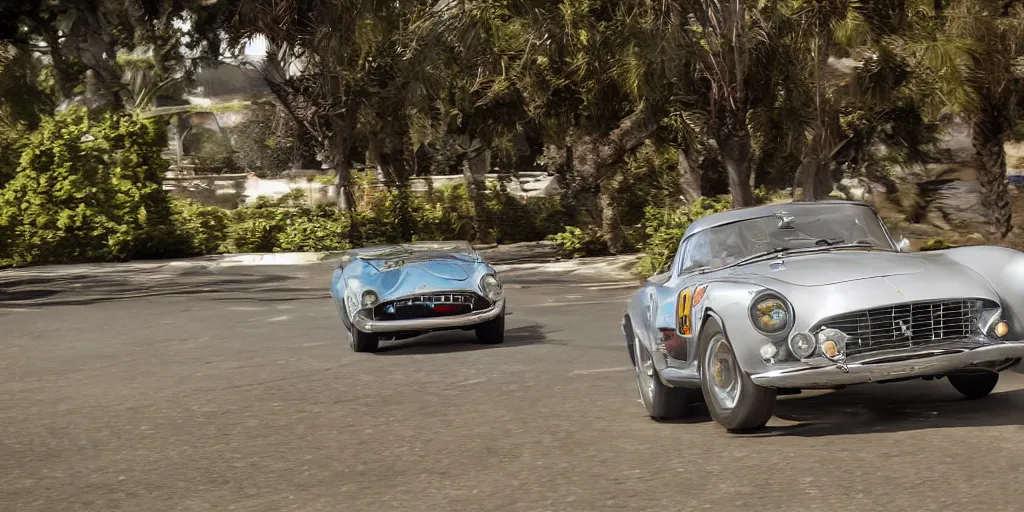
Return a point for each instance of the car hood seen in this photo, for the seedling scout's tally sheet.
(825, 268)
(400, 279)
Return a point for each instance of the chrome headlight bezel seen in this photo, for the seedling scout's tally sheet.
(491, 288)
(987, 320)
(368, 299)
(786, 323)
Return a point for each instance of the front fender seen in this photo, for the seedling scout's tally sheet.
(729, 303)
(1003, 269)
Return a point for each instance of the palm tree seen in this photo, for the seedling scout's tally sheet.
(975, 48)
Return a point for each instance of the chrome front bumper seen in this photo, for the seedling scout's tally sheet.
(429, 324)
(874, 368)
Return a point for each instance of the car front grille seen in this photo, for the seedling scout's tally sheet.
(907, 325)
(430, 306)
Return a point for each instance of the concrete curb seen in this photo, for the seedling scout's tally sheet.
(276, 258)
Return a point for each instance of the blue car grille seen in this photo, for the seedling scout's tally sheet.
(430, 306)
(907, 325)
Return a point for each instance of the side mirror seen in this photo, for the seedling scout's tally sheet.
(902, 245)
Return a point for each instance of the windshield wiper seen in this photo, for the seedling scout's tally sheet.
(828, 242)
(760, 255)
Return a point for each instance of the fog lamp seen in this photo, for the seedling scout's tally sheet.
(801, 345)
(768, 351)
(1001, 329)
(833, 344)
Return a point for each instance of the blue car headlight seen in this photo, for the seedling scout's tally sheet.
(370, 299)
(491, 287)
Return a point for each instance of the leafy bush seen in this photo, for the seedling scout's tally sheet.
(86, 192)
(576, 243)
(212, 152)
(266, 141)
(321, 228)
(199, 229)
(522, 220)
(11, 142)
(665, 227)
(936, 244)
(445, 214)
(269, 226)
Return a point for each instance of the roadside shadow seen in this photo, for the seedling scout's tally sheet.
(461, 341)
(896, 407)
(31, 289)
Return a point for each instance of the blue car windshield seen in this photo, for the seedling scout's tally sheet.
(834, 226)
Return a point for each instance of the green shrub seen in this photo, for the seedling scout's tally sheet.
(523, 220)
(11, 144)
(665, 227)
(199, 229)
(936, 244)
(212, 152)
(444, 214)
(86, 192)
(321, 228)
(576, 243)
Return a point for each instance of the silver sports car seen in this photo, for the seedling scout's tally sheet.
(774, 299)
(401, 291)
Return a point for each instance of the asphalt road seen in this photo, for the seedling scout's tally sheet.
(234, 389)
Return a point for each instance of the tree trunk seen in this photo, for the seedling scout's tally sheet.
(592, 158)
(736, 154)
(336, 154)
(611, 228)
(988, 144)
(474, 171)
(814, 178)
(689, 177)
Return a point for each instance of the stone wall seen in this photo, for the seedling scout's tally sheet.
(233, 190)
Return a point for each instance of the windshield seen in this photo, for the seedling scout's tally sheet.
(826, 227)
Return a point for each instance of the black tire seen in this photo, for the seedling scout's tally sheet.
(754, 404)
(662, 402)
(492, 332)
(974, 385)
(362, 341)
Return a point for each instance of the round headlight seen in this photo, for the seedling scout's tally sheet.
(801, 345)
(769, 314)
(833, 344)
(370, 299)
(491, 287)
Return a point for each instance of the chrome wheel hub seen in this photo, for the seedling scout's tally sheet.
(723, 373)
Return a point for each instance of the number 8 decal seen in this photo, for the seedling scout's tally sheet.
(685, 308)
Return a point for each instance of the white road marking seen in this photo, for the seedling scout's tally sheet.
(601, 370)
(19, 310)
(313, 344)
(279, 318)
(468, 382)
(243, 308)
(286, 307)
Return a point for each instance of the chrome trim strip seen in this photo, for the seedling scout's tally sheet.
(918, 363)
(426, 324)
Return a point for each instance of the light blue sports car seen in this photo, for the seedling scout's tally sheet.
(402, 291)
